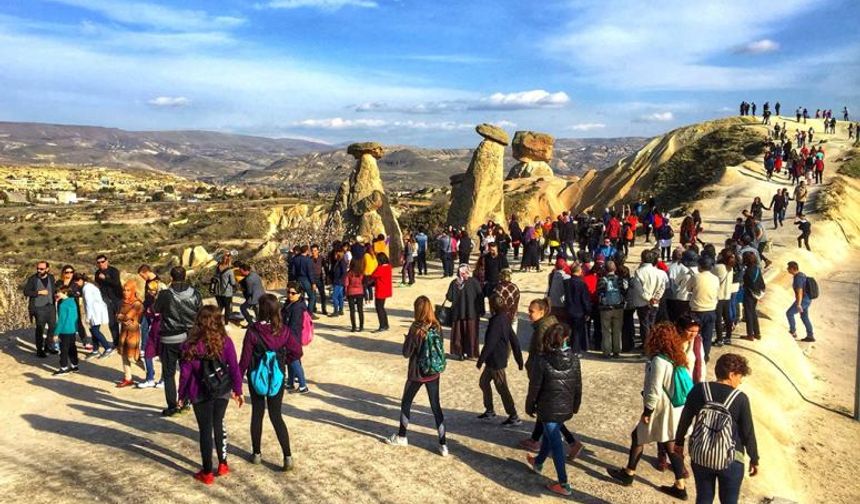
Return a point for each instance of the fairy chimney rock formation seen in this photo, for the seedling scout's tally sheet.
(361, 205)
(534, 152)
(477, 195)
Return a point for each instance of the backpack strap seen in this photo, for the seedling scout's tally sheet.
(708, 396)
(731, 398)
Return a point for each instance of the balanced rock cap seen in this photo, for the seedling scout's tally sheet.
(358, 149)
(533, 146)
(494, 133)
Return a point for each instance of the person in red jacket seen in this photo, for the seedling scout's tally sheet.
(382, 275)
(613, 230)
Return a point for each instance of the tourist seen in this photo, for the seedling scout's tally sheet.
(40, 288)
(425, 330)
(67, 325)
(446, 253)
(757, 208)
(318, 267)
(801, 303)
(611, 292)
(555, 394)
(553, 239)
(293, 318)
(724, 270)
(253, 290)
(681, 274)
(800, 194)
(207, 347)
(531, 250)
(510, 295)
(268, 334)
(805, 230)
(555, 291)
(464, 248)
(577, 302)
(753, 289)
(107, 279)
(225, 285)
(494, 263)
(304, 268)
(704, 293)
(779, 203)
(410, 252)
(464, 294)
(339, 268)
(151, 287)
(129, 316)
(383, 282)
(664, 236)
(498, 338)
(688, 329)
(647, 286)
(67, 280)
(516, 234)
(178, 306)
(606, 250)
(421, 240)
(370, 265)
(659, 421)
(730, 371)
(354, 285)
(96, 311)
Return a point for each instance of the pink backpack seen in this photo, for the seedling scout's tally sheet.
(307, 328)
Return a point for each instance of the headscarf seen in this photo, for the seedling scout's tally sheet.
(464, 272)
(131, 285)
(529, 234)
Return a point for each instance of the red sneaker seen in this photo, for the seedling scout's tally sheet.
(124, 383)
(207, 478)
(223, 469)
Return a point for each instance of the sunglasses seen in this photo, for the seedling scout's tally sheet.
(292, 293)
(68, 272)
(41, 269)
(101, 261)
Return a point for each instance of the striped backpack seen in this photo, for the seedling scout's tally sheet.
(712, 444)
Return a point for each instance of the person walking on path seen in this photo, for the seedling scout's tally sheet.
(802, 302)
(354, 284)
(611, 292)
(681, 274)
(425, 330)
(384, 289)
(730, 371)
(688, 328)
(509, 294)
(466, 298)
(67, 324)
(129, 317)
(269, 334)
(421, 240)
(805, 228)
(779, 203)
(724, 270)
(577, 301)
(208, 351)
(555, 394)
(40, 288)
(178, 306)
(96, 311)
(252, 286)
(107, 279)
(497, 340)
(225, 285)
(704, 295)
(293, 317)
(801, 192)
(659, 421)
(753, 290)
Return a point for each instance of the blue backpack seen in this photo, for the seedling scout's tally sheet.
(267, 376)
(682, 383)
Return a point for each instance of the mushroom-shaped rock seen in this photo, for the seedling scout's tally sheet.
(532, 146)
(356, 150)
(493, 132)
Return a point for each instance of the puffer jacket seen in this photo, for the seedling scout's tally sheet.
(555, 387)
(540, 328)
(178, 307)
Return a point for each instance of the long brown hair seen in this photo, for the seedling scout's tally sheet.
(270, 311)
(663, 338)
(425, 314)
(209, 328)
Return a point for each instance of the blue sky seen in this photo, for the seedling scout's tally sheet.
(420, 72)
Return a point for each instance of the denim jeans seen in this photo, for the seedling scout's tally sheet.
(295, 372)
(729, 481)
(99, 339)
(309, 293)
(337, 298)
(551, 443)
(707, 322)
(246, 308)
(145, 324)
(804, 317)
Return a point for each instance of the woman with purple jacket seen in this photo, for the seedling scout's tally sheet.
(208, 341)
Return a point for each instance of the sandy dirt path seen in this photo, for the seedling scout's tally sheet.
(78, 438)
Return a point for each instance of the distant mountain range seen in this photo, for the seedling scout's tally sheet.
(286, 163)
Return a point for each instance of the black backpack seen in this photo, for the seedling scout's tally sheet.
(811, 288)
(216, 380)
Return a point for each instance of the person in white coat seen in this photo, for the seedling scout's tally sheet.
(95, 314)
(659, 421)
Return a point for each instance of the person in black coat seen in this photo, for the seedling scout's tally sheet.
(107, 279)
(498, 338)
(494, 263)
(516, 233)
(464, 248)
(555, 393)
(467, 302)
(40, 289)
(577, 302)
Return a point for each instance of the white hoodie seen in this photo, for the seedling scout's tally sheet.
(94, 305)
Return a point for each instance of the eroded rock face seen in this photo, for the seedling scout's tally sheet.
(478, 196)
(361, 205)
(196, 257)
(528, 169)
(532, 146)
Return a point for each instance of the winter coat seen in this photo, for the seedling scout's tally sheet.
(94, 306)
(539, 329)
(382, 275)
(293, 315)
(225, 282)
(498, 338)
(577, 298)
(658, 404)
(178, 307)
(33, 285)
(466, 303)
(411, 350)
(191, 387)
(283, 341)
(354, 285)
(67, 317)
(555, 386)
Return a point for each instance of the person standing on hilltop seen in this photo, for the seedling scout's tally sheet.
(464, 248)
(67, 324)
(354, 286)
(776, 108)
(516, 233)
(304, 268)
(845, 114)
(752, 105)
(40, 288)
(466, 298)
(178, 306)
(107, 279)
(129, 316)
(382, 280)
(805, 230)
(318, 268)
(800, 284)
(96, 314)
(446, 253)
(498, 338)
(224, 283)
(421, 261)
(494, 263)
(704, 296)
(151, 287)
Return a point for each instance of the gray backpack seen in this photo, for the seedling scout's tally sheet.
(712, 444)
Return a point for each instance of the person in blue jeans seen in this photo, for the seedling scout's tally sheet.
(293, 316)
(801, 303)
(338, 278)
(730, 371)
(555, 393)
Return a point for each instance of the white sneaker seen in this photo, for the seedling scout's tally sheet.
(443, 450)
(397, 440)
(159, 384)
(145, 384)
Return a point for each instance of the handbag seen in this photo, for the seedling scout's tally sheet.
(444, 314)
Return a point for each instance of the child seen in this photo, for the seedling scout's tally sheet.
(208, 386)
(67, 323)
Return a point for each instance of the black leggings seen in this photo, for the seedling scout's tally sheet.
(538, 432)
(804, 239)
(68, 351)
(409, 391)
(381, 314)
(258, 409)
(210, 420)
(356, 304)
(636, 450)
(226, 304)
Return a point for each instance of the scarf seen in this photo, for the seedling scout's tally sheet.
(463, 274)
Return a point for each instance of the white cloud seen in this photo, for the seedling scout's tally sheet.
(505, 124)
(537, 98)
(465, 59)
(170, 101)
(655, 117)
(339, 123)
(329, 5)
(758, 47)
(420, 108)
(586, 126)
(155, 15)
